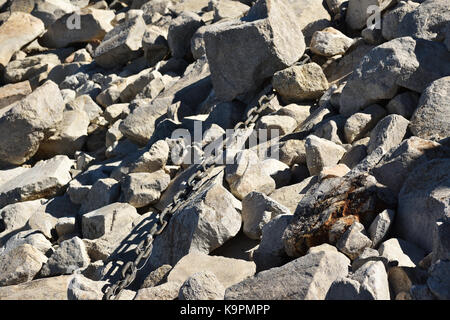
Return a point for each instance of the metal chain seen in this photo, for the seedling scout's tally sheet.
(144, 248)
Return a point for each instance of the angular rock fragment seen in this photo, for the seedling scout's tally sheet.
(11, 93)
(202, 286)
(143, 188)
(353, 242)
(269, 33)
(321, 153)
(330, 42)
(381, 226)
(181, 30)
(30, 121)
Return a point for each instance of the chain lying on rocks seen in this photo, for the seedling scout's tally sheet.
(144, 248)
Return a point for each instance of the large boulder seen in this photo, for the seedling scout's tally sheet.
(20, 29)
(94, 26)
(28, 122)
(45, 179)
(431, 120)
(306, 278)
(424, 199)
(402, 62)
(269, 34)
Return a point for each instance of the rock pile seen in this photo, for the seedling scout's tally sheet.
(104, 105)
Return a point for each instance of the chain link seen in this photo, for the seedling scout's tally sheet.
(144, 248)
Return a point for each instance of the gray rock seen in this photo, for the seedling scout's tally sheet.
(306, 278)
(36, 239)
(143, 188)
(330, 42)
(299, 83)
(165, 291)
(228, 271)
(388, 133)
(154, 44)
(95, 24)
(367, 255)
(360, 123)
(293, 152)
(402, 62)
(28, 122)
(43, 222)
(392, 19)
(374, 280)
(395, 167)
(65, 226)
(270, 252)
(357, 15)
(269, 33)
(228, 9)
(68, 257)
(441, 240)
(290, 196)
(82, 288)
(431, 118)
(403, 104)
(438, 282)
(157, 277)
(276, 125)
(54, 288)
(353, 242)
(102, 193)
(202, 286)
(13, 92)
(203, 223)
(381, 226)
(20, 264)
(18, 30)
(107, 220)
(404, 253)
(278, 171)
(321, 153)
(247, 174)
(423, 199)
(427, 21)
(344, 289)
(45, 179)
(181, 30)
(258, 210)
(15, 216)
(121, 44)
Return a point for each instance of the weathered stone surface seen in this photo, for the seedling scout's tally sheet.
(257, 210)
(357, 12)
(157, 277)
(31, 237)
(290, 196)
(311, 15)
(154, 44)
(181, 30)
(321, 153)
(403, 104)
(330, 42)
(20, 29)
(269, 33)
(374, 280)
(28, 122)
(276, 125)
(441, 240)
(381, 226)
(228, 271)
(270, 252)
(121, 44)
(142, 188)
(306, 278)
(388, 133)
(202, 286)
(328, 201)
(353, 242)
(431, 118)
(15, 216)
(402, 62)
(43, 222)
(45, 179)
(360, 123)
(68, 257)
(102, 193)
(204, 223)
(396, 165)
(299, 83)
(247, 174)
(423, 199)
(392, 19)
(439, 280)
(54, 288)
(20, 264)
(165, 291)
(427, 21)
(292, 152)
(95, 24)
(405, 253)
(82, 288)
(13, 92)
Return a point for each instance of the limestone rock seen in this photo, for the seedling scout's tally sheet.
(405, 253)
(381, 226)
(181, 30)
(13, 92)
(353, 242)
(141, 189)
(388, 133)
(202, 286)
(330, 42)
(321, 153)
(54, 288)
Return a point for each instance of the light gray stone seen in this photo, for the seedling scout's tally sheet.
(202, 286)
(321, 153)
(360, 123)
(403, 104)
(143, 188)
(330, 42)
(354, 241)
(102, 193)
(381, 226)
(405, 253)
(388, 133)
(181, 30)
